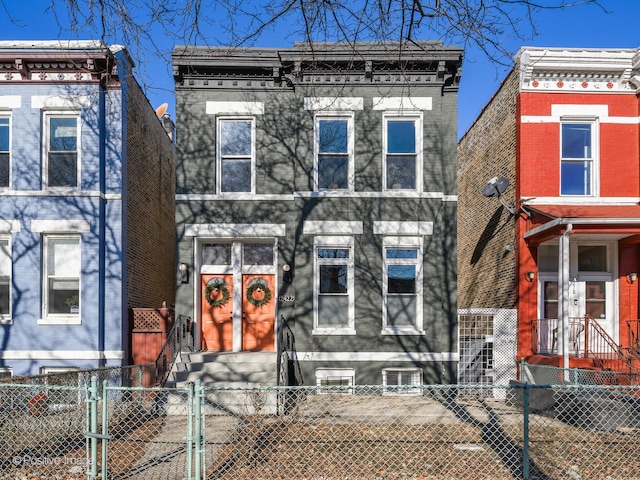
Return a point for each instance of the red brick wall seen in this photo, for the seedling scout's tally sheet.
(486, 232)
(150, 208)
(619, 169)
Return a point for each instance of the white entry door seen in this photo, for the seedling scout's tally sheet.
(593, 296)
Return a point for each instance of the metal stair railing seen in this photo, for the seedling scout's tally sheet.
(599, 346)
(179, 337)
(633, 328)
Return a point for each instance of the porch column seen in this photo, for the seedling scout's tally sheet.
(564, 280)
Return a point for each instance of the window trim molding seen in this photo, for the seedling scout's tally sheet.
(334, 115)
(413, 243)
(229, 118)
(594, 122)
(418, 118)
(403, 104)
(339, 243)
(333, 103)
(58, 318)
(60, 226)
(329, 227)
(53, 113)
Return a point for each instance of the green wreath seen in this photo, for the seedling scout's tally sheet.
(217, 285)
(258, 286)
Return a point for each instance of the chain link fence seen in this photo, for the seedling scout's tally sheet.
(562, 431)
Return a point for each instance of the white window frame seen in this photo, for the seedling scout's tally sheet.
(333, 242)
(219, 121)
(417, 118)
(342, 116)
(348, 374)
(410, 243)
(58, 318)
(6, 318)
(6, 115)
(594, 157)
(416, 380)
(5, 370)
(47, 116)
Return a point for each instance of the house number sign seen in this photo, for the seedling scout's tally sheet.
(287, 298)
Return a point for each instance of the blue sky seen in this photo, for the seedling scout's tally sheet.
(581, 27)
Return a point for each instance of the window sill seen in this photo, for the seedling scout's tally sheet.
(334, 331)
(402, 331)
(61, 320)
(6, 321)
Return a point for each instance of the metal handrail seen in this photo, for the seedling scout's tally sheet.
(287, 353)
(633, 328)
(179, 337)
(601, 347)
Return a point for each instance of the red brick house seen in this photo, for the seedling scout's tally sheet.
(548, 209)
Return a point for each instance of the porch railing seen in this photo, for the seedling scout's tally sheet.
(587, 339)
(179, 337)
(545, 336)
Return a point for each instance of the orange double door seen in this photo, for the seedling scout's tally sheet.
(249, 313)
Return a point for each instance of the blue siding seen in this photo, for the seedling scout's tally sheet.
(101, 280)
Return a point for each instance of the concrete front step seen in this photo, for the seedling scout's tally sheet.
(224, 369)
(220, 373)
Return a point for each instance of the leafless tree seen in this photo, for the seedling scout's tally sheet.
(139, 24)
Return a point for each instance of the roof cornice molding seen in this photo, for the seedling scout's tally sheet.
(578, 70)
(59, 62)
(427, 63)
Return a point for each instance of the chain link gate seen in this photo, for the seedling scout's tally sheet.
(572, 431)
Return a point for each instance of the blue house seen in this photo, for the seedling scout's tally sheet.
(86, 205)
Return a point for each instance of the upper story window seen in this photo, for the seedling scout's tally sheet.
(236, 154)
(5, 151)
(578, 169)
(334, 285)
(402, 152)
(61, 275)
(334, 147)
(62, 163)
(5, 278)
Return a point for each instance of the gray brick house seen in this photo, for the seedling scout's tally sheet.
(316, 192)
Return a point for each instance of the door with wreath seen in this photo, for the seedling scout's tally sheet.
(217, 312)
(258, 312)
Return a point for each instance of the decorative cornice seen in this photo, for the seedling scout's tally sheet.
(578, 71)
(429, 63)
(53, 62)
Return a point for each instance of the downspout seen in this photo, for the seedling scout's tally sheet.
(101, 223)
(563, 295)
